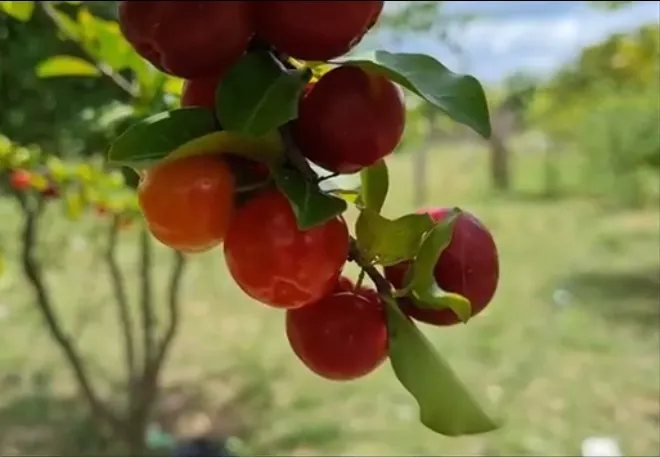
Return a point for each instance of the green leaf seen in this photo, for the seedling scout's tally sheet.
(375, 184)
(21, 11)
(389, 242)
(422, 286)
(445, 404)
(157, 136)
(257, 95)
(66, 66)
(461, 97)
(311, 206)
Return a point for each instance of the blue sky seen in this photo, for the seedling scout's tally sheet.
(533, 36)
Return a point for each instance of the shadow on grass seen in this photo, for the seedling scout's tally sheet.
(34, 420)
(628, 297)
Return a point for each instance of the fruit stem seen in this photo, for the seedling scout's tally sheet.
(360, 279)
(297, 160)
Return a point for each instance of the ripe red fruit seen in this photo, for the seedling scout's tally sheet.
(20, 179)
(188, 39)
(200, 92)
(349, 120)
(50, 192)
(344, 284)
(468, 266)
(340, 337)
(275, 262)
(315, 30)
(187, 202)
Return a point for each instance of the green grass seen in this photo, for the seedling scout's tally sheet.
(568, 349)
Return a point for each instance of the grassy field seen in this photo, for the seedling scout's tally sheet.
(568, 349)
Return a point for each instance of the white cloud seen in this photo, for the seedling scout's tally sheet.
(537, 36)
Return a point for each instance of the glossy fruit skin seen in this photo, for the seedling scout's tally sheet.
(468, 266)
(315, 30)
(341, 337)
(20, 179)
(349, 120)
(188, 39)
(275, 262)
(187, 202)
(200, 92)
(344, 284)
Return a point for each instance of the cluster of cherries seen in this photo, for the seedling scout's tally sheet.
(347, 120)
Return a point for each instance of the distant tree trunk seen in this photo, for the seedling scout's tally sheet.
(500, 169)
(420, 163)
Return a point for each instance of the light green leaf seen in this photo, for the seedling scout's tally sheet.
(375, 184)
(422, 286)
(461, 97)
(21, 11)
(257, 96)
(156, 137)
(445, 404)
(388, 242)
(66, 66)
(311, 206)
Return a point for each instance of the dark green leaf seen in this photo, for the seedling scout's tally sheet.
(423, 288)
(159, 135)
(445, 404)
(311, 206)
(375, 184)
(461, 97)
(389, 242)
(257, 95)
(21, 11)
(66, 66)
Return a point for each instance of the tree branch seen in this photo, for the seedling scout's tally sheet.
(32, 209)
(108, 72)
(174, 298)
(121, 298)
(146, 299)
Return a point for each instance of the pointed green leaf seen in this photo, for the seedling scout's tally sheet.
(461, 97)
(375, 184)
(445, 404)
(21, 11)
(155, 137)
(257, 95)
(311, 206)
(422, 286)
(66, 66)
(388, 242)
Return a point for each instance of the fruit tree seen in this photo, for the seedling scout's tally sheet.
(276, 85)
(273, 95)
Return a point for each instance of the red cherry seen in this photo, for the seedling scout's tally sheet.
(275, 262)
(20, 179)
(188, 39)
(340, 337)
(200, 92)
(468, 266)
(315, 30)
(349, 120)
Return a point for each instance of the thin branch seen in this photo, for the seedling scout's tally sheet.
(121, 299)
(296, 159)
(32, 210)
(146, 299)
(115, 77)
(174, 300)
